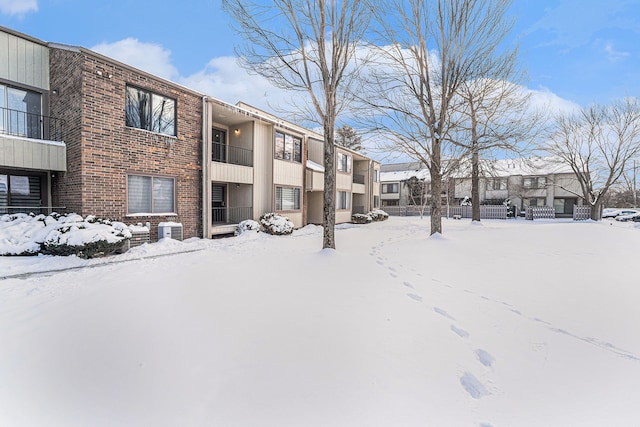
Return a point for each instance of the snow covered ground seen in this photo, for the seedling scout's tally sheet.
(503, 323)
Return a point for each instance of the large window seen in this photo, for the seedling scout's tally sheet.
(20, 112)
(288, 147)
(390, 188)
(150, 111)
(344, 163)
(150, 194)
(535, 182)
(287, 199)
(343, 200)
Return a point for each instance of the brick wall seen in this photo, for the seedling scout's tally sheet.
(102, 151)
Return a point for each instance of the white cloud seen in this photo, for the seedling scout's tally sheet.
(613, 54)
(545, 100)
(18, 7)
(222, 78)
(150, 57)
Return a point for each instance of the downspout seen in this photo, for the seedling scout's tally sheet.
(206, 233)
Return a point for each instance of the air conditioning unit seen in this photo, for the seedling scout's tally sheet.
(170, 230)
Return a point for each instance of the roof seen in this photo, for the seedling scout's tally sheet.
(490, 168)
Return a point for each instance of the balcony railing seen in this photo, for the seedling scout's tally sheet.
(229, 154)
(230, 215)
(29, 125)
(358, 179)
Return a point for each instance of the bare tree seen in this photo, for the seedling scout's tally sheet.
(306, 46)
(493, 116)
(347, 137)
(431, 48)
(598, 143)
(417, 193)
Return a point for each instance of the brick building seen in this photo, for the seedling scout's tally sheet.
(133, 141)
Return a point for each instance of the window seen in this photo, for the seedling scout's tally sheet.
(287, 199)
(288, 147)
(150, 111)
(20, 112)
(376, 175)
(497, 184)
(390, 188)
(20, 191)
(535, 182)
(376, 201)
(344, 163)
(150, 194)
(343, 200)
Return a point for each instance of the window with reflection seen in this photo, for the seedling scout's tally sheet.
(150, 111)
(20, 112)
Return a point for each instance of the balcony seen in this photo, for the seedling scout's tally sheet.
(224, 153)
(230, 215)
(358, 179)
(29, 125)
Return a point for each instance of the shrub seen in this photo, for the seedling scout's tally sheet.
(247, 225)
(55, 234)
(276, 224)
(378, 215)
(359, 218)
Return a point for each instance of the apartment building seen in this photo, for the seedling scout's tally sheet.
(541, 181)
(81, 132)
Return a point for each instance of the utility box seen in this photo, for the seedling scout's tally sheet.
(170, 230)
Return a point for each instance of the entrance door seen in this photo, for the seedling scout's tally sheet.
(218, 203)
(219, 146)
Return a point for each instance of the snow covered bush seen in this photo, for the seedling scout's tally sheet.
(359, 218)
(247, 225)
(55, 234)
(378, 215)
(276, 224)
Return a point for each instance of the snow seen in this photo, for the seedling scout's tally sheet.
(505, 323)
(314, 166)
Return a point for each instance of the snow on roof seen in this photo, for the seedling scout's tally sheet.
(404, 175)
(497, 168)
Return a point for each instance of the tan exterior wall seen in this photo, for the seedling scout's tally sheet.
(263, 169)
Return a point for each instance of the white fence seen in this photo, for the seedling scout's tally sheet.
(580, 213)
(486, 211)
(540, 212)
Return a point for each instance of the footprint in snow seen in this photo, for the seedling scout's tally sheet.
(443, 313)
(408, 285)
(473, 386)
(415, 297)
(485, 357)
(460, 332)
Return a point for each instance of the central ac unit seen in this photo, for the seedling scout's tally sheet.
(170, 230)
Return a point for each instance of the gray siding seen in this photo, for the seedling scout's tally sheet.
(24, 61)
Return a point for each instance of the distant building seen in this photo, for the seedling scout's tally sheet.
(541, 181)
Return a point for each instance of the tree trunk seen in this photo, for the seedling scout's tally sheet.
(436, 189)
(475, 182)
(329, 205)
(596, 211)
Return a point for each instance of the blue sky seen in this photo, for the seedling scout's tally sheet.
(575, 51)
